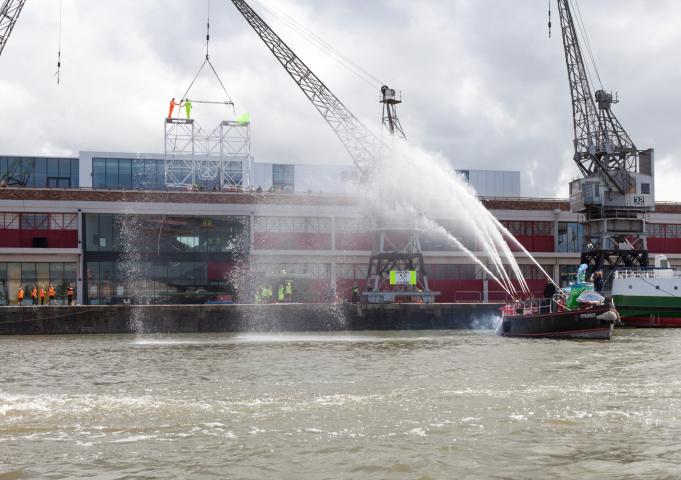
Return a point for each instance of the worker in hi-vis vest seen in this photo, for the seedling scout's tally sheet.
(20, 296)
(188, 108)
(171, 109)
(51, 294)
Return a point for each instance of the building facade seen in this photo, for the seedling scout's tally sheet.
(105, 225)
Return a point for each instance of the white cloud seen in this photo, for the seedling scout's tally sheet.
(482, 84)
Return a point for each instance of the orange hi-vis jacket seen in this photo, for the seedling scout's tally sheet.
(42, 292)
(51, 292)
(34, 293)
(20, 294)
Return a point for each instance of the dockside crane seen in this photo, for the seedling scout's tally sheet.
(617, 188)
(394, 270)
(9, 13)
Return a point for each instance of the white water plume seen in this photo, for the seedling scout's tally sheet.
(414, 183)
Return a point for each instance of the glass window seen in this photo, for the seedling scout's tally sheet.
(125, 174)
(75, 174)
(98, 173)
(4, 293)
(65, 167)
(283, 177)
(570, 237)
(52, 167)
(40, 172)
(568, 274)
(34, 221)
(645, 188)
(112, 173)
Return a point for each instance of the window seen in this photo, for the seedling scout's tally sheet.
(34, 221)
(645, 188)
(570, 237)
(283, 177)
(39, 172)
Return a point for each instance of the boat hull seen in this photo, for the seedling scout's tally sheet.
(649, 311)
(591, 324)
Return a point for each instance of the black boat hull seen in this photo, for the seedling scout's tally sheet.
(590, 324)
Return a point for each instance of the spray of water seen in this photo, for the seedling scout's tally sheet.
(132, 268)
(412, 180)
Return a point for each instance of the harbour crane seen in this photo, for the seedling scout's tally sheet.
(617, 188)
(390, 265)
(9, 13)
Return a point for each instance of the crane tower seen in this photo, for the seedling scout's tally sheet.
(617, 188)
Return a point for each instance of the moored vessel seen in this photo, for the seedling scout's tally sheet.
(648, 298)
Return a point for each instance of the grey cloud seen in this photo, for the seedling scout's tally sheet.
(481, 81)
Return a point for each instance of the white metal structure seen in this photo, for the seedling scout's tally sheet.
(193, 156)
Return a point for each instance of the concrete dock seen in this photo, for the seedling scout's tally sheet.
(105, 319)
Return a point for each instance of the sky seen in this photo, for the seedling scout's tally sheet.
(481, 82)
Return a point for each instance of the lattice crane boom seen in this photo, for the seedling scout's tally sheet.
(602, 145)
(9, 13)
(362, 145)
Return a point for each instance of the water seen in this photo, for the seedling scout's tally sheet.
(425, 185)
(357, 405)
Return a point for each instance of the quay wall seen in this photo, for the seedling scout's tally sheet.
(106, 319)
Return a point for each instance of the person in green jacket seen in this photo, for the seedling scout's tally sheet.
(289, 292)
(188, 108)
(280, 294)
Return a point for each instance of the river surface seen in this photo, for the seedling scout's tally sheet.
(399, 405)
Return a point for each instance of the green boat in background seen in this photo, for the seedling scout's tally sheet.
(648, 297)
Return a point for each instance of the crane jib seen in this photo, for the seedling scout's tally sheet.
(360, 142)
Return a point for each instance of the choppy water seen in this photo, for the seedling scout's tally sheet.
(394, 405)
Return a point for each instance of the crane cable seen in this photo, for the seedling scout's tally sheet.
(321, 44)
(207, 61)
(61, 11)
(587, 42)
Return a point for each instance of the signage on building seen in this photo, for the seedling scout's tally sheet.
(403, 277)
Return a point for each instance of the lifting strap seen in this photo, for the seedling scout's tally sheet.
(210, 64)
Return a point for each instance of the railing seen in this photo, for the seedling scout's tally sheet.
(468, 297)
(530, 307)
(652, 273)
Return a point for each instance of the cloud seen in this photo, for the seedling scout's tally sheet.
(481, 82)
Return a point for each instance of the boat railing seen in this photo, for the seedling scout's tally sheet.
(531, 307)
(649, 274)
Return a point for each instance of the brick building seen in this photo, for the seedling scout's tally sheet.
(105, 225)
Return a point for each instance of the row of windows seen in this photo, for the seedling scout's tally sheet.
(529, 228)
(163, 234)
(162, 282)
(38, 221)
(353, 225)
(349, 271)
(39, 172)
(474, 272)
(292, 225)
(314, 271)
(28, 275)
(661, 230)
(148, 174)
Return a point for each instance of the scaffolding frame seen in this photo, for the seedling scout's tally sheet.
(193, 156)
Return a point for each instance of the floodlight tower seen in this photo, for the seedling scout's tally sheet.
(390, 99)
